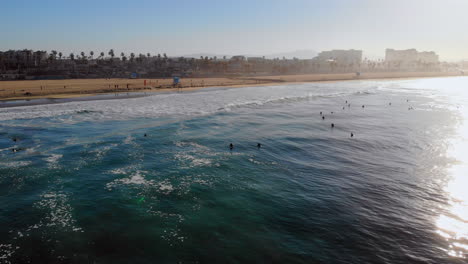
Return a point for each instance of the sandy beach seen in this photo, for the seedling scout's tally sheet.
(69, 88)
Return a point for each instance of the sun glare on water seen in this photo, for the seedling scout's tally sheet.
(453, 223)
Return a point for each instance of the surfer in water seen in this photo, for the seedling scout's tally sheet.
(352, 135)
(16, 149)
(259, 145)
(332, 125)
(323, 117)
(231, 146)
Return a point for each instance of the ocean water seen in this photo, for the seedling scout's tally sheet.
(86, 186)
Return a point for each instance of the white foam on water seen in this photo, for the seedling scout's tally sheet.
(5, 149)
(128, 140)
(59, 211)
(195, 155)
(32, 150)
(119, 171)
(254, 161)
(192, 145)
(95, 155)
(6, 251)
(137, 179)
(125, 170)
(53, 160)
(134, 179)
(173, 236)
(194, 103)
(15, 164)
(165, 187)
(102, 151)
(58, 215)
(192, 160)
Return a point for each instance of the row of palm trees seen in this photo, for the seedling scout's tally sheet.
(83, 56)
(54, 55)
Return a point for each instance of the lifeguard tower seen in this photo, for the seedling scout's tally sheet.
(176, 81)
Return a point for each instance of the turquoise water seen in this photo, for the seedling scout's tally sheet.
(86, 185)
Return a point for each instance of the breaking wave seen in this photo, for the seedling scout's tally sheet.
(191, 103)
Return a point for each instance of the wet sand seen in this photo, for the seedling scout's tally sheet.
(70, 88)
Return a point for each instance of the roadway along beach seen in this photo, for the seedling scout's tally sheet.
(69, 88)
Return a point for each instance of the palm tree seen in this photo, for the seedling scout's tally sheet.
(132, 56)
(91, 53)
(51, 58)
(102, 55)
(165, 56)
(72, 56)
(60, 55)
(148, 55)
(122, 54)
(111, 53)
(82, 55)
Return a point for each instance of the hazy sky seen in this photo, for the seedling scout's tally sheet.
(180, 27)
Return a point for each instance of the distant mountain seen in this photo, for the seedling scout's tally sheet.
(300, 54)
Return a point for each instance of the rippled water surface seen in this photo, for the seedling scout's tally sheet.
(82, 184)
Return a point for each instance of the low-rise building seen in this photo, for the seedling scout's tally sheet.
(410, 55)
(255, 59)
(340, 56)
(238, 58)
(428, 57)
(411, 59)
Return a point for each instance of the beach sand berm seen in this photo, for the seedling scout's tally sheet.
(69, 88)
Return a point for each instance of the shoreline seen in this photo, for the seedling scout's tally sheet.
(94, 89)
